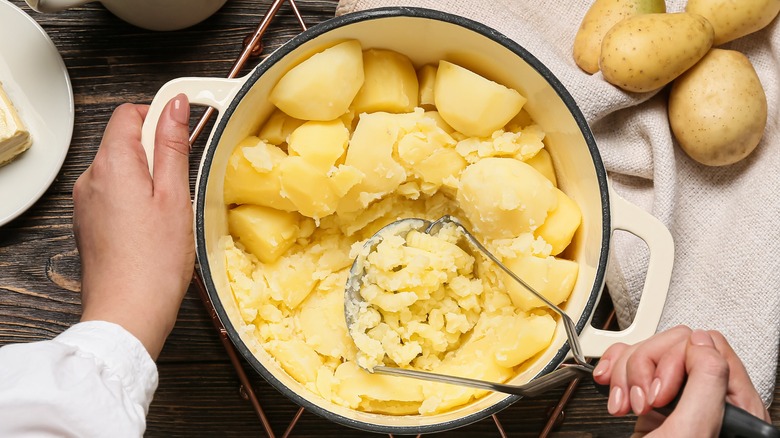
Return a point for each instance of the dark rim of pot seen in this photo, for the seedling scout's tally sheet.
(323, 28)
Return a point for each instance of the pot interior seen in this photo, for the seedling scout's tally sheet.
(425, 37)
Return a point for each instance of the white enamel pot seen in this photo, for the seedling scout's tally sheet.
(428, 36)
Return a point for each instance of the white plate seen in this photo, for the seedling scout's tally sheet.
(36, 80)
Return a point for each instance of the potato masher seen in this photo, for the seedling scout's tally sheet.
(353, 302)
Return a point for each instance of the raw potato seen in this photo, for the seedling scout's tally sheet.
(646, 52)
(390, 83)
(732, 19)
(718, 109)
(321, 87)
(601, 16)
(472, 104)
(265, 232)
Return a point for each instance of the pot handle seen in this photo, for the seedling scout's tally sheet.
(633, 219)
(213, 92)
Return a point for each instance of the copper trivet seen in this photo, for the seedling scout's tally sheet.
(253, 47)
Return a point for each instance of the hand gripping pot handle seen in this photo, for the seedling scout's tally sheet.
(213, 92)
(631, 218)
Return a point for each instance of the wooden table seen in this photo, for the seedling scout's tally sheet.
(111, 62)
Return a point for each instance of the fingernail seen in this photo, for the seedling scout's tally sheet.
(601, 367)
(655, 389)
(615, 400)
(700, 337)
(637, 398)
(180, 109)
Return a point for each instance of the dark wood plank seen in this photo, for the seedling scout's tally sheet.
(111, 62)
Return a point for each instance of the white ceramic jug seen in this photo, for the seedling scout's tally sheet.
(148, 14)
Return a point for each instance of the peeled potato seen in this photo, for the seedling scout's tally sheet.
(265, 232)
(718, 109)
(542, 162)
(426, 78)
(278, 126)
(297, 358)
(371, 152)
(505, 197)
(308, 187)
(390, 83)
(561, 224)
(472, 104)
(256, 181)
(320, 143)
(321, 87)
(522, 337)
(552, 277)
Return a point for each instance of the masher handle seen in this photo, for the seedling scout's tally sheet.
(737, 422)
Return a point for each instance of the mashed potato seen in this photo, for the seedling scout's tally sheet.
(304, 195)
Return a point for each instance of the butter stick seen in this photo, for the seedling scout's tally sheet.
(14, 137)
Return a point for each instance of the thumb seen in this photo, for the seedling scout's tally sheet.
(702, 402)
(172, 148)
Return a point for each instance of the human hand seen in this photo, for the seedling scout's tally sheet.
(134, 231)
(650, 374)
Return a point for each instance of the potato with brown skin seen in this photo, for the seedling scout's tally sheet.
(733, 19)
(601, 16)
(718, 108)
(645, 52)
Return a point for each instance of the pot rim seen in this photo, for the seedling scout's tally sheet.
(280, 53)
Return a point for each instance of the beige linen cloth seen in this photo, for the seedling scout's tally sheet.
(725, 221)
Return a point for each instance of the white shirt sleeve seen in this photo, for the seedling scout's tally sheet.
(93, 380)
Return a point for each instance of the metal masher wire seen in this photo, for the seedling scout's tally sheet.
(568, 324)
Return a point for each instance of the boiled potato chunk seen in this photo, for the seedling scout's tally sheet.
(440, 121)
(278, 126)
(718, 109)
(298, 359)
(552, 277)
(256, 181)
(291, 278)
(390, 83)
(308, 187)
(426, 78)
(542, 162)
(472, 104)
(520, 121)
(265, 232)
(321, 320)
(371, 152)
(442, 163)
(561, 224)
(323, 86)
(354, 384)
(319, 143)
(505, 197)
(522, 337)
